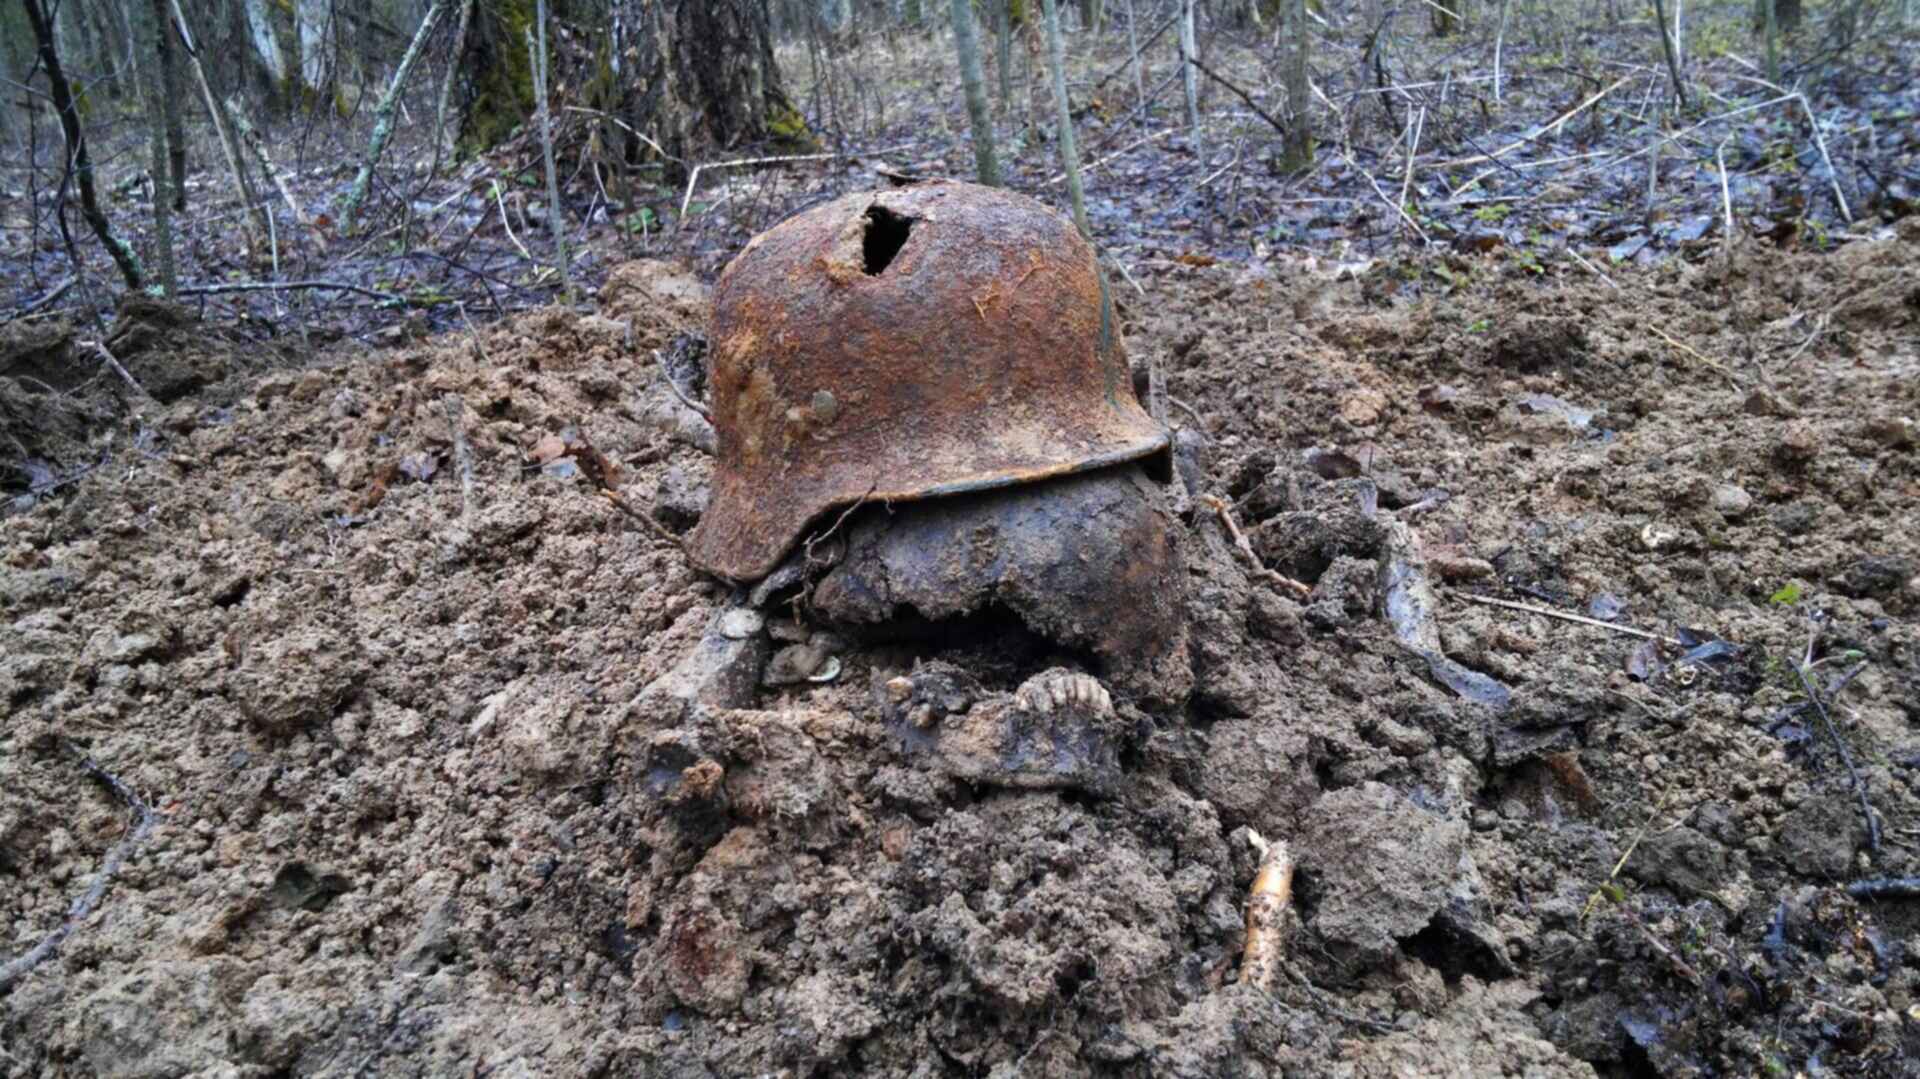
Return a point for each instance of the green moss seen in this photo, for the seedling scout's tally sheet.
(787, 126)
(503, 85)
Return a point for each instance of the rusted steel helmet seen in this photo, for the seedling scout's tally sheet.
(907, 344)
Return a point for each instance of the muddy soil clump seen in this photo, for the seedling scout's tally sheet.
(394, 677)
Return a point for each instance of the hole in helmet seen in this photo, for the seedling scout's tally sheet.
(886, 235)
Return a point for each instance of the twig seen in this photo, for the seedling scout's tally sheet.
(1189, 410)
(1267, 903)
(58, 291)
(1564, 616)
(82, 906)
(1695, 353)
(1832, 176)
(838, 521)
(1840, 746)
(1160, 134)
(1540, 134)
(462, 453)
(658, 529)
(1218, 506)
(673, 386)
(1592, 269)
(1726, 197)
(95, 346)
(277, 286)
(1241, 94)
(1396, 207)
(478, 347)
(500, 201)
(1413, 150)
(1599, 893)
(781, 159)
(1885, 888)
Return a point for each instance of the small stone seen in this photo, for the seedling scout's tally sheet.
(1363, 408)
(1893, 432)
(795, 663)
(1454, 565)
(1765, 403)
(899, 689)
(740, 623)
(1797, 444)
(787, 630)
(1732, 501)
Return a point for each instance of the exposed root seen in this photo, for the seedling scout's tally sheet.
(82, 906)
(1267, 903)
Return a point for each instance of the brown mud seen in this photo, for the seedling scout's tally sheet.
(415, 812)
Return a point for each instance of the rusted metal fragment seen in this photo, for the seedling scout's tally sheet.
(934, 340)
(1059, 730)
(1089, 562)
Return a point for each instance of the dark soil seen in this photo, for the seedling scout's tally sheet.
(416, 811)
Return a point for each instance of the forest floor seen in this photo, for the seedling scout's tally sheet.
(401, 783)
(330, 748)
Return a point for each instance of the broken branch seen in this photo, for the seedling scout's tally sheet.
(1218, 506)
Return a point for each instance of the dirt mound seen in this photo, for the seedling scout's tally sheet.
(376, 649)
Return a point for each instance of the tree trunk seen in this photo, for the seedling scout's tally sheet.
(222, 123)
(1447, 16)
(986, 164)
(1297, 151)
(1190, 77)
(729, 85)
(1092, 13)
(265, 45)
(1666, 49)
(383, 120)
(171, 88)
(82, 164)
(1069, 155)
(152, 34)
(315, 20)
(556, 221)
(1003, 52)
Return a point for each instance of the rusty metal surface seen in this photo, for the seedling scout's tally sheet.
(982, 354)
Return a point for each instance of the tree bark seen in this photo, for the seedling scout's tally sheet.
(222, 123)
(152, 33)
(1190, 77)
(986, 163)
(1297, 153)
(265, 45)
(1003, 52)
(555, 220)
(383, 120)
(82, 164)
(1666, 49)
(446, 86)
(171, 88)
(1069, 155)
(315, 21)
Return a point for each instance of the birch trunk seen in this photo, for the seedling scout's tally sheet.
(986, 162)
(1069, 155)
(383, 120)
(1190, 77)
(265, 45)
(315, 20)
